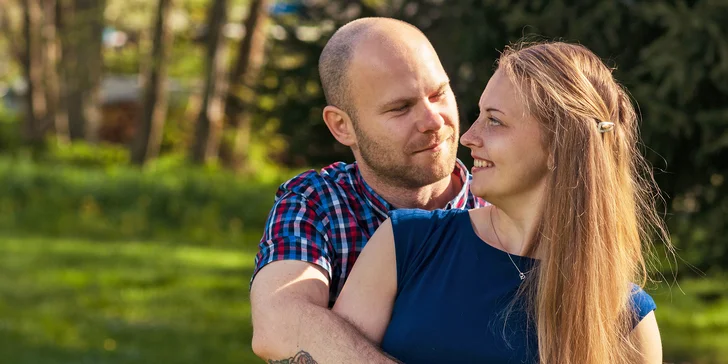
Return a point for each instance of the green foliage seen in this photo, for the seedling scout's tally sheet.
(187, 55)
(88, 155)
(188, 205)
(671, 55)
(10, 139)
(122, 61)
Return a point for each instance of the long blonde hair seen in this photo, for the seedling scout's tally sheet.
(599, 211)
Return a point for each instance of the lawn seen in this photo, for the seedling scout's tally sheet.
(693, 320)
(80, 301)
(76, 301)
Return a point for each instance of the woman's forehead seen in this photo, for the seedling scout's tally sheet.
(499, 91)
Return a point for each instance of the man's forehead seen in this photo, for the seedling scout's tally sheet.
(404, 69)
(394, 49)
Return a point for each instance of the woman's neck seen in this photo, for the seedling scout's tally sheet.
(515, 221)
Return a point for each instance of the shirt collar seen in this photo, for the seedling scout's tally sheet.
(461, 199)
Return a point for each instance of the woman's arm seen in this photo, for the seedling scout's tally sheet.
(647, 338)
(368, 296)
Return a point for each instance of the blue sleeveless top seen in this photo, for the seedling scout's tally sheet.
(453, 293)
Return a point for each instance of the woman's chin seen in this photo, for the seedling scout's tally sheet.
(485, 193)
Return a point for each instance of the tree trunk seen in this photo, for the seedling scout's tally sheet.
(70, 80)
(93, 64)
(17, 49)
(251, 55)
(36, 106)
(82, 65)
(148, 137)
(57, 112)
(208, 131)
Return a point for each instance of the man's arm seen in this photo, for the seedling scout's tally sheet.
(292, 322)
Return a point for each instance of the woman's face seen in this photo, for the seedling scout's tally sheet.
(506, 143)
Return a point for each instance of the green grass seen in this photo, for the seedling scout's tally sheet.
(693, 319)
(82, 301)
(77, 301)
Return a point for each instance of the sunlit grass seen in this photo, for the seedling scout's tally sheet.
(79, 301)
(693, 319)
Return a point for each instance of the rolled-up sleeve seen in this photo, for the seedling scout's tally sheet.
(295, 230)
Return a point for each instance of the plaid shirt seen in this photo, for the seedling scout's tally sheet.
(326, 219)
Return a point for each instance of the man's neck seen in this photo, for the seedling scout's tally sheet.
(430, 197)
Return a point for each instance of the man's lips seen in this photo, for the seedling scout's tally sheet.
(433, 146)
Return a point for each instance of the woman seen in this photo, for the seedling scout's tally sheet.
(545, 273)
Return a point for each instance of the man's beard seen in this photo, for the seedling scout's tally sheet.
(389, 164)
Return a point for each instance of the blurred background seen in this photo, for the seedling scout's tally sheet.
(142, 141)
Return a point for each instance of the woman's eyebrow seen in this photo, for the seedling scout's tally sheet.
(491, 109)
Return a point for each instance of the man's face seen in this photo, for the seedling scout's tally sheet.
(405, 115)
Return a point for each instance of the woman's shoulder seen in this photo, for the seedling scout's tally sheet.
(418, 232)
(642, 303)
(423, 240)
(423, 228)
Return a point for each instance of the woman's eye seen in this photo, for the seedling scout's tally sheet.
(493, 121)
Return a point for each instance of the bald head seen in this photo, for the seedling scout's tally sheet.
(350, 41)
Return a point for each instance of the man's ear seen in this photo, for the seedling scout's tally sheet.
(340, 125)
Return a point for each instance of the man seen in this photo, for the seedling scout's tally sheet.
(390, 101)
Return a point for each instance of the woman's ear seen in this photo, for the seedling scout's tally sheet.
(340, 125)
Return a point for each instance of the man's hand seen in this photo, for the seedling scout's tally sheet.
(292, 322)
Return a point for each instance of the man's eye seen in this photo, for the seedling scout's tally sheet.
(399, 109)
(438, 96)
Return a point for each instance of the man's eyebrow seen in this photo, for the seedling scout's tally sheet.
(396, 102)
(412, 100)
(443, 85)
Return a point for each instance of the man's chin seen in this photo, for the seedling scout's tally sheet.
(417, 172)
(441, 164)
(434, 173)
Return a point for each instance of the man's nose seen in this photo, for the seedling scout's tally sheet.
(431, 118)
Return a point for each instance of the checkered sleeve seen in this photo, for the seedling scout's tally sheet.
(294, 231)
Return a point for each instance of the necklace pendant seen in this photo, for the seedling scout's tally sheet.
(523, 276)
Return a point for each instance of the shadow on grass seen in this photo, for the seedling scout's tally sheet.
(121, 343)
(116, 342)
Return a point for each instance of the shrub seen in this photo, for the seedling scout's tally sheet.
(184, 204)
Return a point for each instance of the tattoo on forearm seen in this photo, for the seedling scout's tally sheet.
(301, 357)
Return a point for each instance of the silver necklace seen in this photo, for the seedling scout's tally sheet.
(520, 274)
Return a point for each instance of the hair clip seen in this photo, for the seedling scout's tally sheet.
(605, 126)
